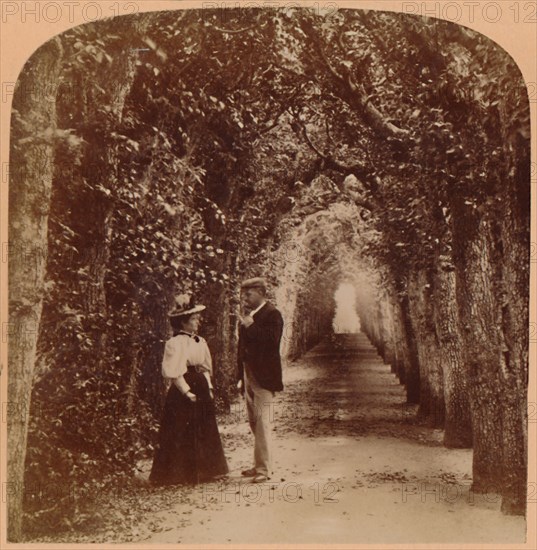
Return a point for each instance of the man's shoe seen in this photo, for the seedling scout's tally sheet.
(260, 478)
(249, 473)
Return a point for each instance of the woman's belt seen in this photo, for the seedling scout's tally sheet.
(197, 368)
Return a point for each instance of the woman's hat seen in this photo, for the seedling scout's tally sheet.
(185, 305)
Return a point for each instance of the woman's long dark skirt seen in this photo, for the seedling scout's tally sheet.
(190, 450)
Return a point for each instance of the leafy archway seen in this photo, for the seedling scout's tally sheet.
(383, 148)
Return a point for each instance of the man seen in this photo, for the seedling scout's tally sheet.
(260, 370)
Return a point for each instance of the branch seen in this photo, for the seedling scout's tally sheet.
(356, 99)
(328, 64)
(327, 127)
(357, 169)
(284, 107)
(374, 116)
(238, 31)
(340, 39)
(324, 156)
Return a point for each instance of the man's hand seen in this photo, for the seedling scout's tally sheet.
(239, 385)
(246, 321)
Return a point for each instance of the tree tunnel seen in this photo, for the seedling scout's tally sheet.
(383, 151)
(346, 319)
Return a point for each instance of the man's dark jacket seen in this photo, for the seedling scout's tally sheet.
(259, 346)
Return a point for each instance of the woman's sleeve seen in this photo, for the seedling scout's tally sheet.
(181, 384)
(208, 363)
(174, 361)
(207, 359)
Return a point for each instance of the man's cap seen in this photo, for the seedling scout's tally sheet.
(255, 282)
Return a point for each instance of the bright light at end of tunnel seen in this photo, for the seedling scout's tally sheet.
(346, 319)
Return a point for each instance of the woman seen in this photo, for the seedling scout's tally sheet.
(190, 450)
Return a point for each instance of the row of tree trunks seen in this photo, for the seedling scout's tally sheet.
(387, 322)
(470, 330)
(309, 325)
(463, 324)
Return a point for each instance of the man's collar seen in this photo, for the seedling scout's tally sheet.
(252, 313)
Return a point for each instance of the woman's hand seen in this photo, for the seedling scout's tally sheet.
(211, 393)
(192, 397)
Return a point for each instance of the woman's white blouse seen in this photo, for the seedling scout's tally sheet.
(183, 350)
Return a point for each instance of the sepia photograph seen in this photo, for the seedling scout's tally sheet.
(267, 277)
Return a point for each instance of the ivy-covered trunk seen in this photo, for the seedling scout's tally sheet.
(102, 103)
(150, 383)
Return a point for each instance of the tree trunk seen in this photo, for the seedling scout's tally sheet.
(34, 123)
(400, 349)
(386, 335)
(151, 385)
(477, 309)
(458, 422)
(432, 407)
(223, 357)
(412, 374)
(515, 238)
